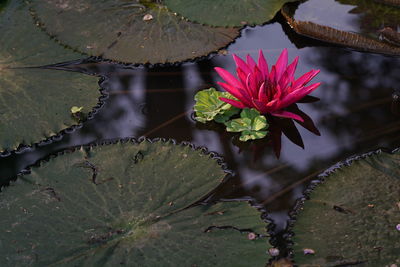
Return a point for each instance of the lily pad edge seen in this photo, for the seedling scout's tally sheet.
(320, 179)
(243, 26)
(98, 59)
(27, 170)
(22, 148)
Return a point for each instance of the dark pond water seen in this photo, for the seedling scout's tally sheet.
(357, 113)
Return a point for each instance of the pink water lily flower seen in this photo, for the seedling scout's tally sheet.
(270, 92)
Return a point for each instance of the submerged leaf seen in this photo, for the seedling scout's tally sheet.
(395, 3)
(227, 12)
(373, 16)
(125, 203)
(35, 103)
(251, 125)
(117, 30)
(351, 217)
(209, 107)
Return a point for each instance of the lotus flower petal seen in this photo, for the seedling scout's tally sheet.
(297, 95)
(292, 68)
(284, 81)
(227, 77)
(281, 64)
(262, 64)
(260, 106)
(272, 75)
(236, 92)
(287, 114)
(251, 84)
(258, 75)
(306, 78)
(262, 93)
(233, 102)
(241, 64)
(250, 62)
(241, 75)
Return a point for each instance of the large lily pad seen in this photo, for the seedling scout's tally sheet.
(35, 103)
(227, 12)
(125, 204)
(351, 217)
(128, 31)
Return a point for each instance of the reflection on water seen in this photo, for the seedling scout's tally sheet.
(354, 115)
(340, 16)
(361, 16)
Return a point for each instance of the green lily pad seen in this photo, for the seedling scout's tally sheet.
(128, 204)
(251, 125)
(227, 12)
(209, 107)
(128, 31)
(35, 103)
(351, 217)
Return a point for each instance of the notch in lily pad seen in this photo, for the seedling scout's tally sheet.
(127, 203)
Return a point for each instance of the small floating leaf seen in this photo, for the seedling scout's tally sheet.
(125, 204)
(134, 32)
(227, 12)
(209, 107)
(35, 103)
(251, 125)
(351, 217)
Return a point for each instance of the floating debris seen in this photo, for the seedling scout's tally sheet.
(147, 17)
(308, 251)
(76, 109)
(274, 252)
(251, 236)
(390, 36)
